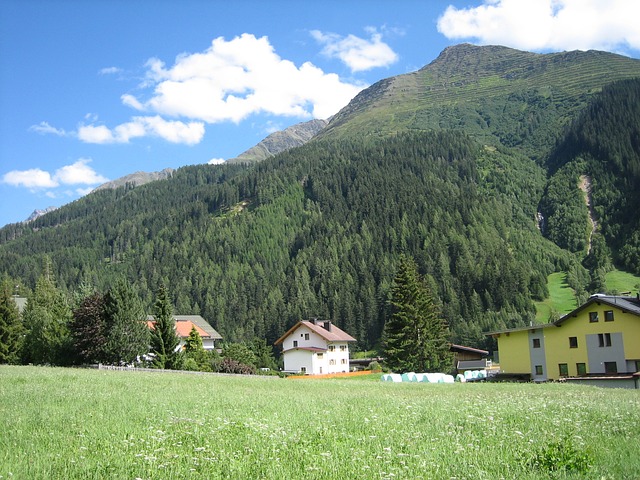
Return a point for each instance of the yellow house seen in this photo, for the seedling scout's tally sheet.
(602, 336)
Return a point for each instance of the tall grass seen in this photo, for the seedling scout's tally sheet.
(87, 424)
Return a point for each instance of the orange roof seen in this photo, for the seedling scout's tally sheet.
(183, 328)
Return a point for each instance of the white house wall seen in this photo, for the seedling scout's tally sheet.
(335, 361)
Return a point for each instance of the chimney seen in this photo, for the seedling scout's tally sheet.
(327, 325)
(314, 321)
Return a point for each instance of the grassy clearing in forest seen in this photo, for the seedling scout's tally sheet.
(561, 298)
(87, 424)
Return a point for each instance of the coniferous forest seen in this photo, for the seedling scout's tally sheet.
(319, 230)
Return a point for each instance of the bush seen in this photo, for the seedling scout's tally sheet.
(229, 365)
(562, 455)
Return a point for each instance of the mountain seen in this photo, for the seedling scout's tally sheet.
(38, 213)
(452, 164)
(137, 178)
(294, 136)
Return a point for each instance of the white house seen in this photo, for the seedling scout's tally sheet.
(315, 347)
(184, 324)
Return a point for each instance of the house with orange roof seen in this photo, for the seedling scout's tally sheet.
(315, 347)
(184, 324)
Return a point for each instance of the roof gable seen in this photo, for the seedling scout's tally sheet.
(335, 334)
(626, 304)
(204, 329)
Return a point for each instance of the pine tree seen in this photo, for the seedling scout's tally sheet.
(127, 330)
(11, 328)
(164, 339)
(416, 336)
(195, 351)
(89, 329)
(46, 319)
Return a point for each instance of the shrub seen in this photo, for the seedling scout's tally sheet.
(562, 455)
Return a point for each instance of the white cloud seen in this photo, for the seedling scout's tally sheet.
(357, 53)
(234, 79)
(44, 128)
(110, 70)
(216, 161)
(542, 25)
(78, 173)
(172, 131)
(32, 178)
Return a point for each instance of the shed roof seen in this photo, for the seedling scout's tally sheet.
(184, 323)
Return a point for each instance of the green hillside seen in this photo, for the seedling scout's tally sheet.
(463, 165)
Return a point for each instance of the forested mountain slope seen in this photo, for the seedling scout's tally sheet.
(318, 230)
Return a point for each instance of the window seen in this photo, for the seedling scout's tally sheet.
(604, 339)
(610, 367)
(332, 361)
(320, 356)
(581, 368)
(306, 336)
(608, 316)
(295, 343)
(538, 369)
(343, 348)
(303, 369)
(320, 370)
(564, 369)
(593, 317)
(536, 343)
(573, 342)
(343, 361)
(332, 348)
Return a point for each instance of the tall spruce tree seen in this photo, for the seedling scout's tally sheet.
(126, 322)
(416, 335)
(89, 329)
(46, 319)
(164, 339)
(11, 329)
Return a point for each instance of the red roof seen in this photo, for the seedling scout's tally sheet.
(333, 335)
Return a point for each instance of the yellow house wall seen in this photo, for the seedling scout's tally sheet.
(557, 338)
(514, 352)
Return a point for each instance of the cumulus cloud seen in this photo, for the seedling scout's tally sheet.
(216, 161)
(78, 173)
(173, 131)
(44, 128)
(32, 178)
(542, 25)
(234, 79)
(359, 54)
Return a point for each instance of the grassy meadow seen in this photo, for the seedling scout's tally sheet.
(86, 424)
(561, 298)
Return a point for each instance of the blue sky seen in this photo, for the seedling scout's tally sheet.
(91, 91)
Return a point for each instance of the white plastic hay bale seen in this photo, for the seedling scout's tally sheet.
(409, 377)
(482, 374)
(434, 377)
(420, 377)
(385, 377)
(448, 379)
(460, 378)
(395, 377)
(468, 374)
